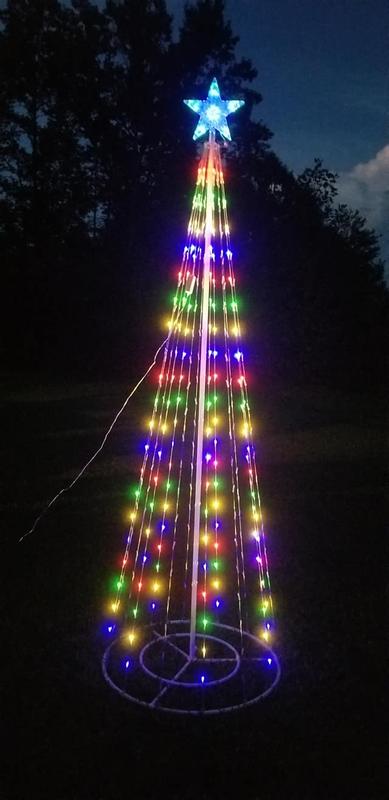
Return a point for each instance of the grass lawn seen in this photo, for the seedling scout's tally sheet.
(322, 458)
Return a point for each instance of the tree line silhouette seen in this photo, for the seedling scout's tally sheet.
(97, 176)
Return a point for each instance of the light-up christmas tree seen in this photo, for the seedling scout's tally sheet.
(191, 617)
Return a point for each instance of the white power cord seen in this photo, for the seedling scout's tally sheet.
(88, 463)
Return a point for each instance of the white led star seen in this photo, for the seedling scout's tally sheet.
(213, 112)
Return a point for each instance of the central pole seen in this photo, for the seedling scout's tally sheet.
(210, 179)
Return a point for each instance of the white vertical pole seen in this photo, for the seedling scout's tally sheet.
(201, 395)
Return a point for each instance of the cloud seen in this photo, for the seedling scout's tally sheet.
(366, 187)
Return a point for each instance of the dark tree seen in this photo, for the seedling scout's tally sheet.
(96, 182)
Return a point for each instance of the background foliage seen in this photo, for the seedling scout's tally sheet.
(97, 173)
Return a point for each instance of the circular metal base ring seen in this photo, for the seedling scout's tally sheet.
(240, 671)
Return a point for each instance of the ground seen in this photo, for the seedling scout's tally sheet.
(322, 461)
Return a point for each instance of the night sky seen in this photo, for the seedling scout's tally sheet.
(323, 71)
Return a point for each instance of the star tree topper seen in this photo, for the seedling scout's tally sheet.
(213, 112)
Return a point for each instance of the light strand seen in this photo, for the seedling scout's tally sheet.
(183, 436)
(261, 557)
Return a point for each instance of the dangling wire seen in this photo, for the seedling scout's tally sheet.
(99, 449)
